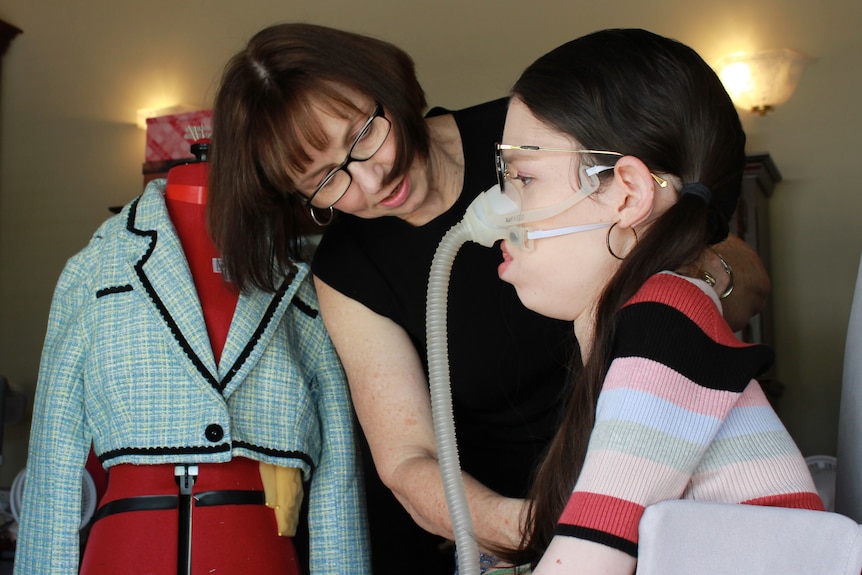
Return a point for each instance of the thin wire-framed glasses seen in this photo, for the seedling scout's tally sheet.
(370, 139)
(512, 184)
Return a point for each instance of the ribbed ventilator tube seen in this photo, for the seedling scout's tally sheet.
(484, 222)
(441, 398)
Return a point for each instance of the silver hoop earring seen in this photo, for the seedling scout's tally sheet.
(608, 240)
(320, 223)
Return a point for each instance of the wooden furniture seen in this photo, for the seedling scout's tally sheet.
(7, 33)
(7, 541)
(751, 223)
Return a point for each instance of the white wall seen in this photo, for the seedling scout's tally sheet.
(74, 79)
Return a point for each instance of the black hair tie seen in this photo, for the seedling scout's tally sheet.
(700, 190)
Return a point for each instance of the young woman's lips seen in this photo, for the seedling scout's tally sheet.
(398, 196)
(507, 259)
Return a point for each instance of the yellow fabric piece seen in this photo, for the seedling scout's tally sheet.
(282, 487)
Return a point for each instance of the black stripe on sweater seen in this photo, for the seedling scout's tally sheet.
(600, 537)
(664, 334)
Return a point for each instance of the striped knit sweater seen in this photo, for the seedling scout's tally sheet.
(681, 417)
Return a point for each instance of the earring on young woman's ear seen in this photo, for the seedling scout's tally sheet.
(321, 223)
(608, 241)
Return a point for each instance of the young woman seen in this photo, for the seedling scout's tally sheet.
(625, 155)
(311, 119)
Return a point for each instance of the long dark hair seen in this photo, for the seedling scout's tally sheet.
(262, 117)
(643, 95)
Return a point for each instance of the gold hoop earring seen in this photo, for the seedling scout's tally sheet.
(608, 241)
(320, 223)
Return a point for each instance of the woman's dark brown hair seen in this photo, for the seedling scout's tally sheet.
(647, 96)
(262, 119)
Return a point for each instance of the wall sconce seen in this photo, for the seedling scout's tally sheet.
(145, 113)
(759, 81)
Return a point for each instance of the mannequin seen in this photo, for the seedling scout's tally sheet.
(254, 544)
(185, 197)
(223, 497)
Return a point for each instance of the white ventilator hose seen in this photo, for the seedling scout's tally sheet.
(474, 227)
(441, 399)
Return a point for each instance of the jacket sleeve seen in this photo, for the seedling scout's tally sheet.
(48, 540)
(337, 517)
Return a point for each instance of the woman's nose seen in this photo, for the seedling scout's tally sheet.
(367, 175)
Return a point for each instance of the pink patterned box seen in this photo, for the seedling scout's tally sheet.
(168, 137)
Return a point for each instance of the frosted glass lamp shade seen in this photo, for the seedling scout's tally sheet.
(759, 81)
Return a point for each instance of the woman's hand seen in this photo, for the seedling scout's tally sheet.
(749, 279)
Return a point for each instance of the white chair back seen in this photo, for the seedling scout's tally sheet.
(683, 537)
(848, 482)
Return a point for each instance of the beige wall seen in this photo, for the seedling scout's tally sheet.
(74, 79)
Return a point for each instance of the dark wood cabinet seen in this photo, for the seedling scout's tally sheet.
(751, 223)
(7, 540)
(7, 33)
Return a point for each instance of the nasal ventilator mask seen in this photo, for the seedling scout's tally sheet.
(494, 215)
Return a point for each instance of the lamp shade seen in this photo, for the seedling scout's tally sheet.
(759, 81)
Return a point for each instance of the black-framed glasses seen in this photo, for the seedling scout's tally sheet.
(369, 140)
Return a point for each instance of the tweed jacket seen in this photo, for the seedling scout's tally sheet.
(127, 366)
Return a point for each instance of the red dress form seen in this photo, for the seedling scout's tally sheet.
(185, 197)
(229, 538)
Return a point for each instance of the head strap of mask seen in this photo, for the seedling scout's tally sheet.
(589, 183)
(522, 235)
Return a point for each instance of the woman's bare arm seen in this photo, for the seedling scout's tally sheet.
(392, 401)
(570, 556)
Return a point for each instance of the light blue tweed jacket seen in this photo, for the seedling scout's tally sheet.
(127, 365)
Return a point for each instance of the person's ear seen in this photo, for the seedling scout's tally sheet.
(635, 191)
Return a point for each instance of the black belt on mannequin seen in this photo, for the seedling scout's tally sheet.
(161, 502)
(185, 476)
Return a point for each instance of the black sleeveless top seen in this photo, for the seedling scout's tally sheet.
(508, 364)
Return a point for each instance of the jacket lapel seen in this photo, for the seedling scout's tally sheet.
(165, 278)
(255, 321)
(167, 281)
